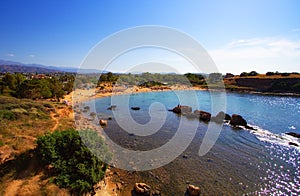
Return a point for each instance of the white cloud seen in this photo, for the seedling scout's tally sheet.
(31, 55)
(260, 54)
(10, 54)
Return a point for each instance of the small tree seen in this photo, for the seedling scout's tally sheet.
(243, 74)
(74, 165)
(253, 73)
(34, 89)
(215, 77)
(56, 89)
(270, 73)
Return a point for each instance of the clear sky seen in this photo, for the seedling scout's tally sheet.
(240, 35)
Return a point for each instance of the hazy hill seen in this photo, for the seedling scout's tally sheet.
(11, 66)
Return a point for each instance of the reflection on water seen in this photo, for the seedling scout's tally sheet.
(282, 171)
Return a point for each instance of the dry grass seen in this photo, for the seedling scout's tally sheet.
(21, 122)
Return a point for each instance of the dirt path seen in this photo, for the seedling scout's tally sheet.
(60, 113)
(56, 121)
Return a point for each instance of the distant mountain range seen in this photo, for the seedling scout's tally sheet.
(11, 66)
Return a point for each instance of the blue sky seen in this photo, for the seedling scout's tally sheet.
(259, 35)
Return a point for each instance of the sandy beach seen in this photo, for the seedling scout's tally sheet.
(81, 95)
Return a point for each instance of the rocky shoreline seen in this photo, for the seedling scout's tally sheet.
(111, 187)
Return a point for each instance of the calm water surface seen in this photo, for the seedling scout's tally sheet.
(241, 161)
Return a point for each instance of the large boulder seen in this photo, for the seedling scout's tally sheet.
(238, 120)
(220, 117)
(223, 115)
(204, 116)
(142, 188)
(182, 109)
(297, 135)
(103, 122)
(193, 190)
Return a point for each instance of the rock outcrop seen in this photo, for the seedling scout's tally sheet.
(238, 120)
(204, 116)
(182, 109)
(103, 122)
(220, 117)
(112, 107)
(193, 190)
(142, 188)
(297, 135)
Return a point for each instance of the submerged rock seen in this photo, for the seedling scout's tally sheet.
(297, 135)
(135, 108)
(112, 107)
(142, 188)
(249, 127)
(193, 190)
(238, 120)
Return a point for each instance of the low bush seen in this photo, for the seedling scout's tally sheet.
(75, 166)
(6, 114)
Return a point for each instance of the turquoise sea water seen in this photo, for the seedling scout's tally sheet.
(241, 162)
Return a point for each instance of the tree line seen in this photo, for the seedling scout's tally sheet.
(43, 87)
(168, 79)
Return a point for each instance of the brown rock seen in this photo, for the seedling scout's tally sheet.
(237, 120)
(193, 190)
(142, 188)
(223, 115)
(220, 117)
(182, 109)
(204, 116)
(103, 122)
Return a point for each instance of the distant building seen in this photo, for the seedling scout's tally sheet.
(38, 76)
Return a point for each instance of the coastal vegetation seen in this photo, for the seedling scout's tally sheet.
(43, 161)
(38, 86)
(37, 139)
(22, 121)
(74, 166)
(56, 86)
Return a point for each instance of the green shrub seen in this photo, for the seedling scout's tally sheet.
(75, 167)
(270, 73)
(285, 74)
(6, 114)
